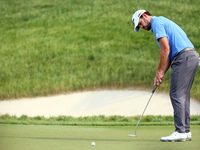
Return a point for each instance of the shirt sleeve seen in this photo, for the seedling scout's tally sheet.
(159, 30)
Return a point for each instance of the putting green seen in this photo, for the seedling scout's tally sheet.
(36, 137)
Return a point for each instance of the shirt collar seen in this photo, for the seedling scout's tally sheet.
(152, 20)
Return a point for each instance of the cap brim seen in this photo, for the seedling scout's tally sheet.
(137, 29)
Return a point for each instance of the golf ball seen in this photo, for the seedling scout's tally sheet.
(93, 143)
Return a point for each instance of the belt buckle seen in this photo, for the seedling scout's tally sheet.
(188, 49)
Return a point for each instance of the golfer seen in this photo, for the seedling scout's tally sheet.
(177, 51)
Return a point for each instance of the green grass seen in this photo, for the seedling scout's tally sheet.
(94, 120)
(15, 137)
(58, 46)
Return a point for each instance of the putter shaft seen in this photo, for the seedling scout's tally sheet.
(144, 110)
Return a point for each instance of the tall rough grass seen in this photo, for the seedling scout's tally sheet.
(53, 46)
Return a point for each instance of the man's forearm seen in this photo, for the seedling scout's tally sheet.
(162, 66)
(167, 65)
(163, 60)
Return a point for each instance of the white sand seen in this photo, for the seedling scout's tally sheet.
(113, 102)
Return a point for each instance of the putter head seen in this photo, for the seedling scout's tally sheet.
(132, 135)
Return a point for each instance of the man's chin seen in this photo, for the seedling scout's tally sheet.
(147, 29)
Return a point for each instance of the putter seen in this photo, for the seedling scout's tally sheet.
(134, 135)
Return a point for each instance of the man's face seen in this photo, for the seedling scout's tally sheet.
(144, 23)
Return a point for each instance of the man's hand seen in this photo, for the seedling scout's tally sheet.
(159, 78)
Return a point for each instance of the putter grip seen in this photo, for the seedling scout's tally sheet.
(154, 88)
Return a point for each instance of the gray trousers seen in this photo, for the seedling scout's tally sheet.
(184, 67)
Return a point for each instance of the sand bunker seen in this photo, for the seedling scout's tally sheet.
(108, 103)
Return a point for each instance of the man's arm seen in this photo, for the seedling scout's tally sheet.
(167, 65)
(164, 62)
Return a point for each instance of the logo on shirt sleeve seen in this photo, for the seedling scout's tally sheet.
(157, 34)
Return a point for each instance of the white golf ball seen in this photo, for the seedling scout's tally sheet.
(93, 143)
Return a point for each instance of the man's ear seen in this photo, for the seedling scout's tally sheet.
(144, 15)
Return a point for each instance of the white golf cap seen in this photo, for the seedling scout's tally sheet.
(136, 17)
